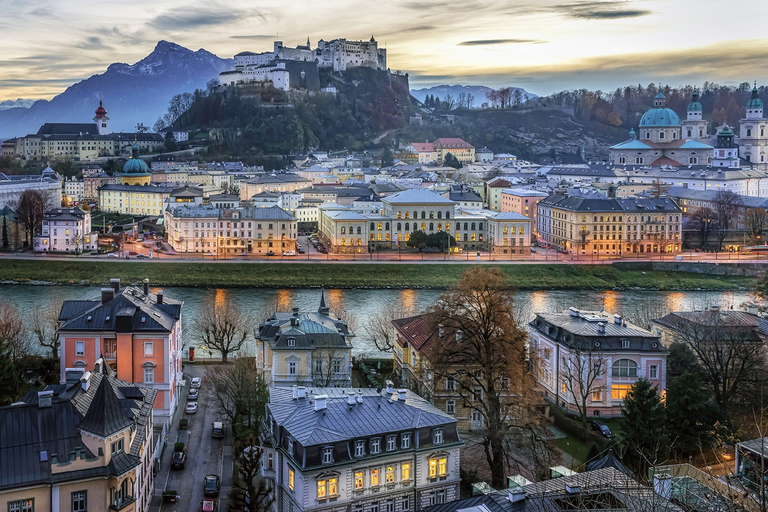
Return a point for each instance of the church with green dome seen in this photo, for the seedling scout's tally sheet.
(663, 140)
(135, 170)
(753, 133)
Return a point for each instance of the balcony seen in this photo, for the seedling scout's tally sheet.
(124, 505)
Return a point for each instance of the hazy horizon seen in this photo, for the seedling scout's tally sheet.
(543, 46)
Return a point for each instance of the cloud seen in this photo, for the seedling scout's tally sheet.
(600, 10)
(425, 5)
(92, 43)
(176, 20)
(255, 37)
(488, 42)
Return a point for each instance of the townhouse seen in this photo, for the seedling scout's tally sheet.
(66, 230)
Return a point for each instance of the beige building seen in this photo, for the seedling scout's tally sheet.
(135, 199)
(230, 232)
(283, 182)
(523, 201)
(85, 445)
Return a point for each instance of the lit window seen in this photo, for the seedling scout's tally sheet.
(390, 475)
(321, 489)
(433, 468)
(291, 479)
(358, 480)
(619, 391)
(405, 471)
(374, 477)
(442, 466)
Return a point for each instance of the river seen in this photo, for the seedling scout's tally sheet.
(362, 304)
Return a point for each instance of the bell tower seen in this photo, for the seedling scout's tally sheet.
(753, 133)
(101, 119)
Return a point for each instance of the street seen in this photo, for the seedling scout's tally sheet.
(205, 455)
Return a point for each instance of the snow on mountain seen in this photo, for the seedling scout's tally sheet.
(17, 103)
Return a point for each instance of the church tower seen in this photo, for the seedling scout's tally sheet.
(695, 127)
(726, 150)
(753, 131)
(101, 119)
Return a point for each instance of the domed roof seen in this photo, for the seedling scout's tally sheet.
(660, 116)
(725, 131)
(135, 165)
(101, 111)
(694, 105)
(755, 101)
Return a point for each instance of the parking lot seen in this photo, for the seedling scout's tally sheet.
(205, 455)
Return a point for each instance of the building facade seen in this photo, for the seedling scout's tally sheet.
(66, 230)
(85, 444)
(753, 131)
(593, 355)
(525, 202)
(395, 453)
(137, 332)
(11, 188)
(147, 200)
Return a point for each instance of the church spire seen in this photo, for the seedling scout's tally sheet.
(323, 309)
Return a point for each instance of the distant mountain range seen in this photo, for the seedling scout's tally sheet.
(17, 103)
(132, 94)
(478, 91)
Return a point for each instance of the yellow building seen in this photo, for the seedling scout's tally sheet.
(136, 170)
(135, 199)
(86, 445)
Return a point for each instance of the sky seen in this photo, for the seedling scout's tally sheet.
(543, 46)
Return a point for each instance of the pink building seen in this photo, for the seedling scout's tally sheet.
(594, 356)
(137, 332)
(523, 201)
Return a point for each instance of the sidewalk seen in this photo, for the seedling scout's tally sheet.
(161, 479)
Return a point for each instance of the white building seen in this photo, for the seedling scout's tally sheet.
(396, 452)
(66, 230)
(753, 140)
(11, 188)
(74, 189)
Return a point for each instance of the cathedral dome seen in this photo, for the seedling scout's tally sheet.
(755, 101)
(660, 116)
(135, 165)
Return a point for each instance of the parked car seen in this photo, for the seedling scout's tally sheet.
(602, 428)
(178, 459)
(271, 253)
(289, 253)
(301, 251)
(192, 395)
(208, 505)
(211, 485)
(112, 255)
(191, 408)
(217, 430)
(142, 257)
(195, 383)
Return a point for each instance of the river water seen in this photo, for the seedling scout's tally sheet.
(361, 304)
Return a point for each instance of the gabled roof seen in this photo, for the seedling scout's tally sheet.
(416, 196)
(630, 144)
(694, 144)
(665, 160)
(105, 415)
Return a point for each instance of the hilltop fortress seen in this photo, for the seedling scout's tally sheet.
(294, 68)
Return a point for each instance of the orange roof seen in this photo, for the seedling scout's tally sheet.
(665, 160)
(423, 147)
(452, 143)
(416, 330)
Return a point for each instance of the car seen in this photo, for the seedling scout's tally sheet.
(289, 253)
(208, 505)
(142, 256)
(192, 395)
(217, 430)
(301, 251)
(112, 255)
(191, 408)
(271, 253)
(132, 253)
(178, 459)
(195, 383)
(211, 485)
(602, 428)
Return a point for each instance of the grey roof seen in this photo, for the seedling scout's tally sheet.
(594, 205)
(159, 188)
(718, 323)
(377, 414)
(26, 430)
(308, 330)
(464, 195)
(68, 129)
(129, 311)
(582, 170)
(284, 177)
(105, 416)
(75, 214)
(711, 196)
(187, 191)
(417, 196)
(510, 216)
(583, 332)
(252, 213)
(609, 461)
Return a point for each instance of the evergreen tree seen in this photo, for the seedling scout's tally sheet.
(5, 242)
(643, 422)
(680, 360)
(386, 157)
(690, 414)
(452, 161)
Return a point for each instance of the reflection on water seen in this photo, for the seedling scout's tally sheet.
(360, 304)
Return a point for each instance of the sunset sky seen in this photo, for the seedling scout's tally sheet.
(541, 45)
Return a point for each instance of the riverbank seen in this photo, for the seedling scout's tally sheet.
(379, 275)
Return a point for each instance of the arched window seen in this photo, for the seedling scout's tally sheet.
(473, 226)
(359, 230)
(458, 226)
(431, 215)
(689, 132)
(439, 226)
(407, 226)
(407, 215)
(351, 229)
(622, 160)
(447, 215)
(398, 215)
(439, 215)
(466, 227)
(431, 226)
(423, 226)
(624, 368)
(415, 215)
(639, 160)
(762, 132)
(343, 230)
(386, 226)
(423, 215)
(480, 226)
(373, 226)
(693, 160)
(749, 132)
(399, 228)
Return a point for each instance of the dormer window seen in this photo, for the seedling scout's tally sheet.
(437, 436)
(391, 443)
(291, 342)
(375, 446)
(359, 448)
(290, 447)
(328, 455)
(117, 447)
(405, 441)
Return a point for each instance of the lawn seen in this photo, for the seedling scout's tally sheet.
(348, 275)
(575, 451)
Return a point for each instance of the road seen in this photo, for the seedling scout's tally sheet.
(205, 455)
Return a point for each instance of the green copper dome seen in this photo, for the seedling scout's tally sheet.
(755, 101)
(694, 105)
(659, 116)
(135, 165)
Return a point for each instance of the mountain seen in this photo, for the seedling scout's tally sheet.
(478, 91)
(137, 93)
(17, 103)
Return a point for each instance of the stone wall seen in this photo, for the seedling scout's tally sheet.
(724, 268)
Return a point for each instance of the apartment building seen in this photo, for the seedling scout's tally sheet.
(525, 202)
(135, 199)
(331, 449)
(587, 226)
(137, 332)
(594, 354)
(66, 230)
(85, 444)
(230, 232)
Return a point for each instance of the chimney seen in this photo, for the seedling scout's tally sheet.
(401, 394)
(601, 327)
(351, 398)
(85, 380)
(107, 294)
(617, 319)
(359, 397)
(714, 307)
(159, 296)
(320, 401)
(44, 399)
(115, 284)
(295, 390)
(573, 311)
(146, 286)
(295, 311)
(390, 388)
(572, 489)
(294, 321)
(302, 392)
(441, 330)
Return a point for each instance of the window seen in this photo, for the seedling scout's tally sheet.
(25, 505)
(390, 474)
(375, 446)
(432, 468)
(597, 396)
(336, 363)
(358, 480)
(359, 448)
(374, 477)
(624, 343)
(292, 368)
(327, 455)
(79, 348)
(477, 395)
(80, 501)
(437, 436)
(149, 374)
(450, 406)
(270, 460)
(117, 447)
(148, 349)
(619, 391)
(290, 446)
(405, 504)
(442, 466)
(624, 368)
(322, 489)
(375, 506)
(291, 479)
(291, 342)
(437, 498)
(405, 441)
(654, 372)
(450, 384)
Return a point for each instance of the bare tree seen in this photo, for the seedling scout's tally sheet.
(12, 348)
(703, 219)
(32, 206)
(45, 324)
(755, 220)
(222, 325)
(582, 372)
(726, 206)
(484, 350)
(378, 328)
(252, 492)
(238, 392)
(327, 365)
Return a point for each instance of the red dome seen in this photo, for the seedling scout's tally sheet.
(101, 111)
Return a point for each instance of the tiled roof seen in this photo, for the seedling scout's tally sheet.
(416, 196)
(423, 147)
(418, 331)
(277, 178)
(665, 160)
(630, 144)
(452, 143)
